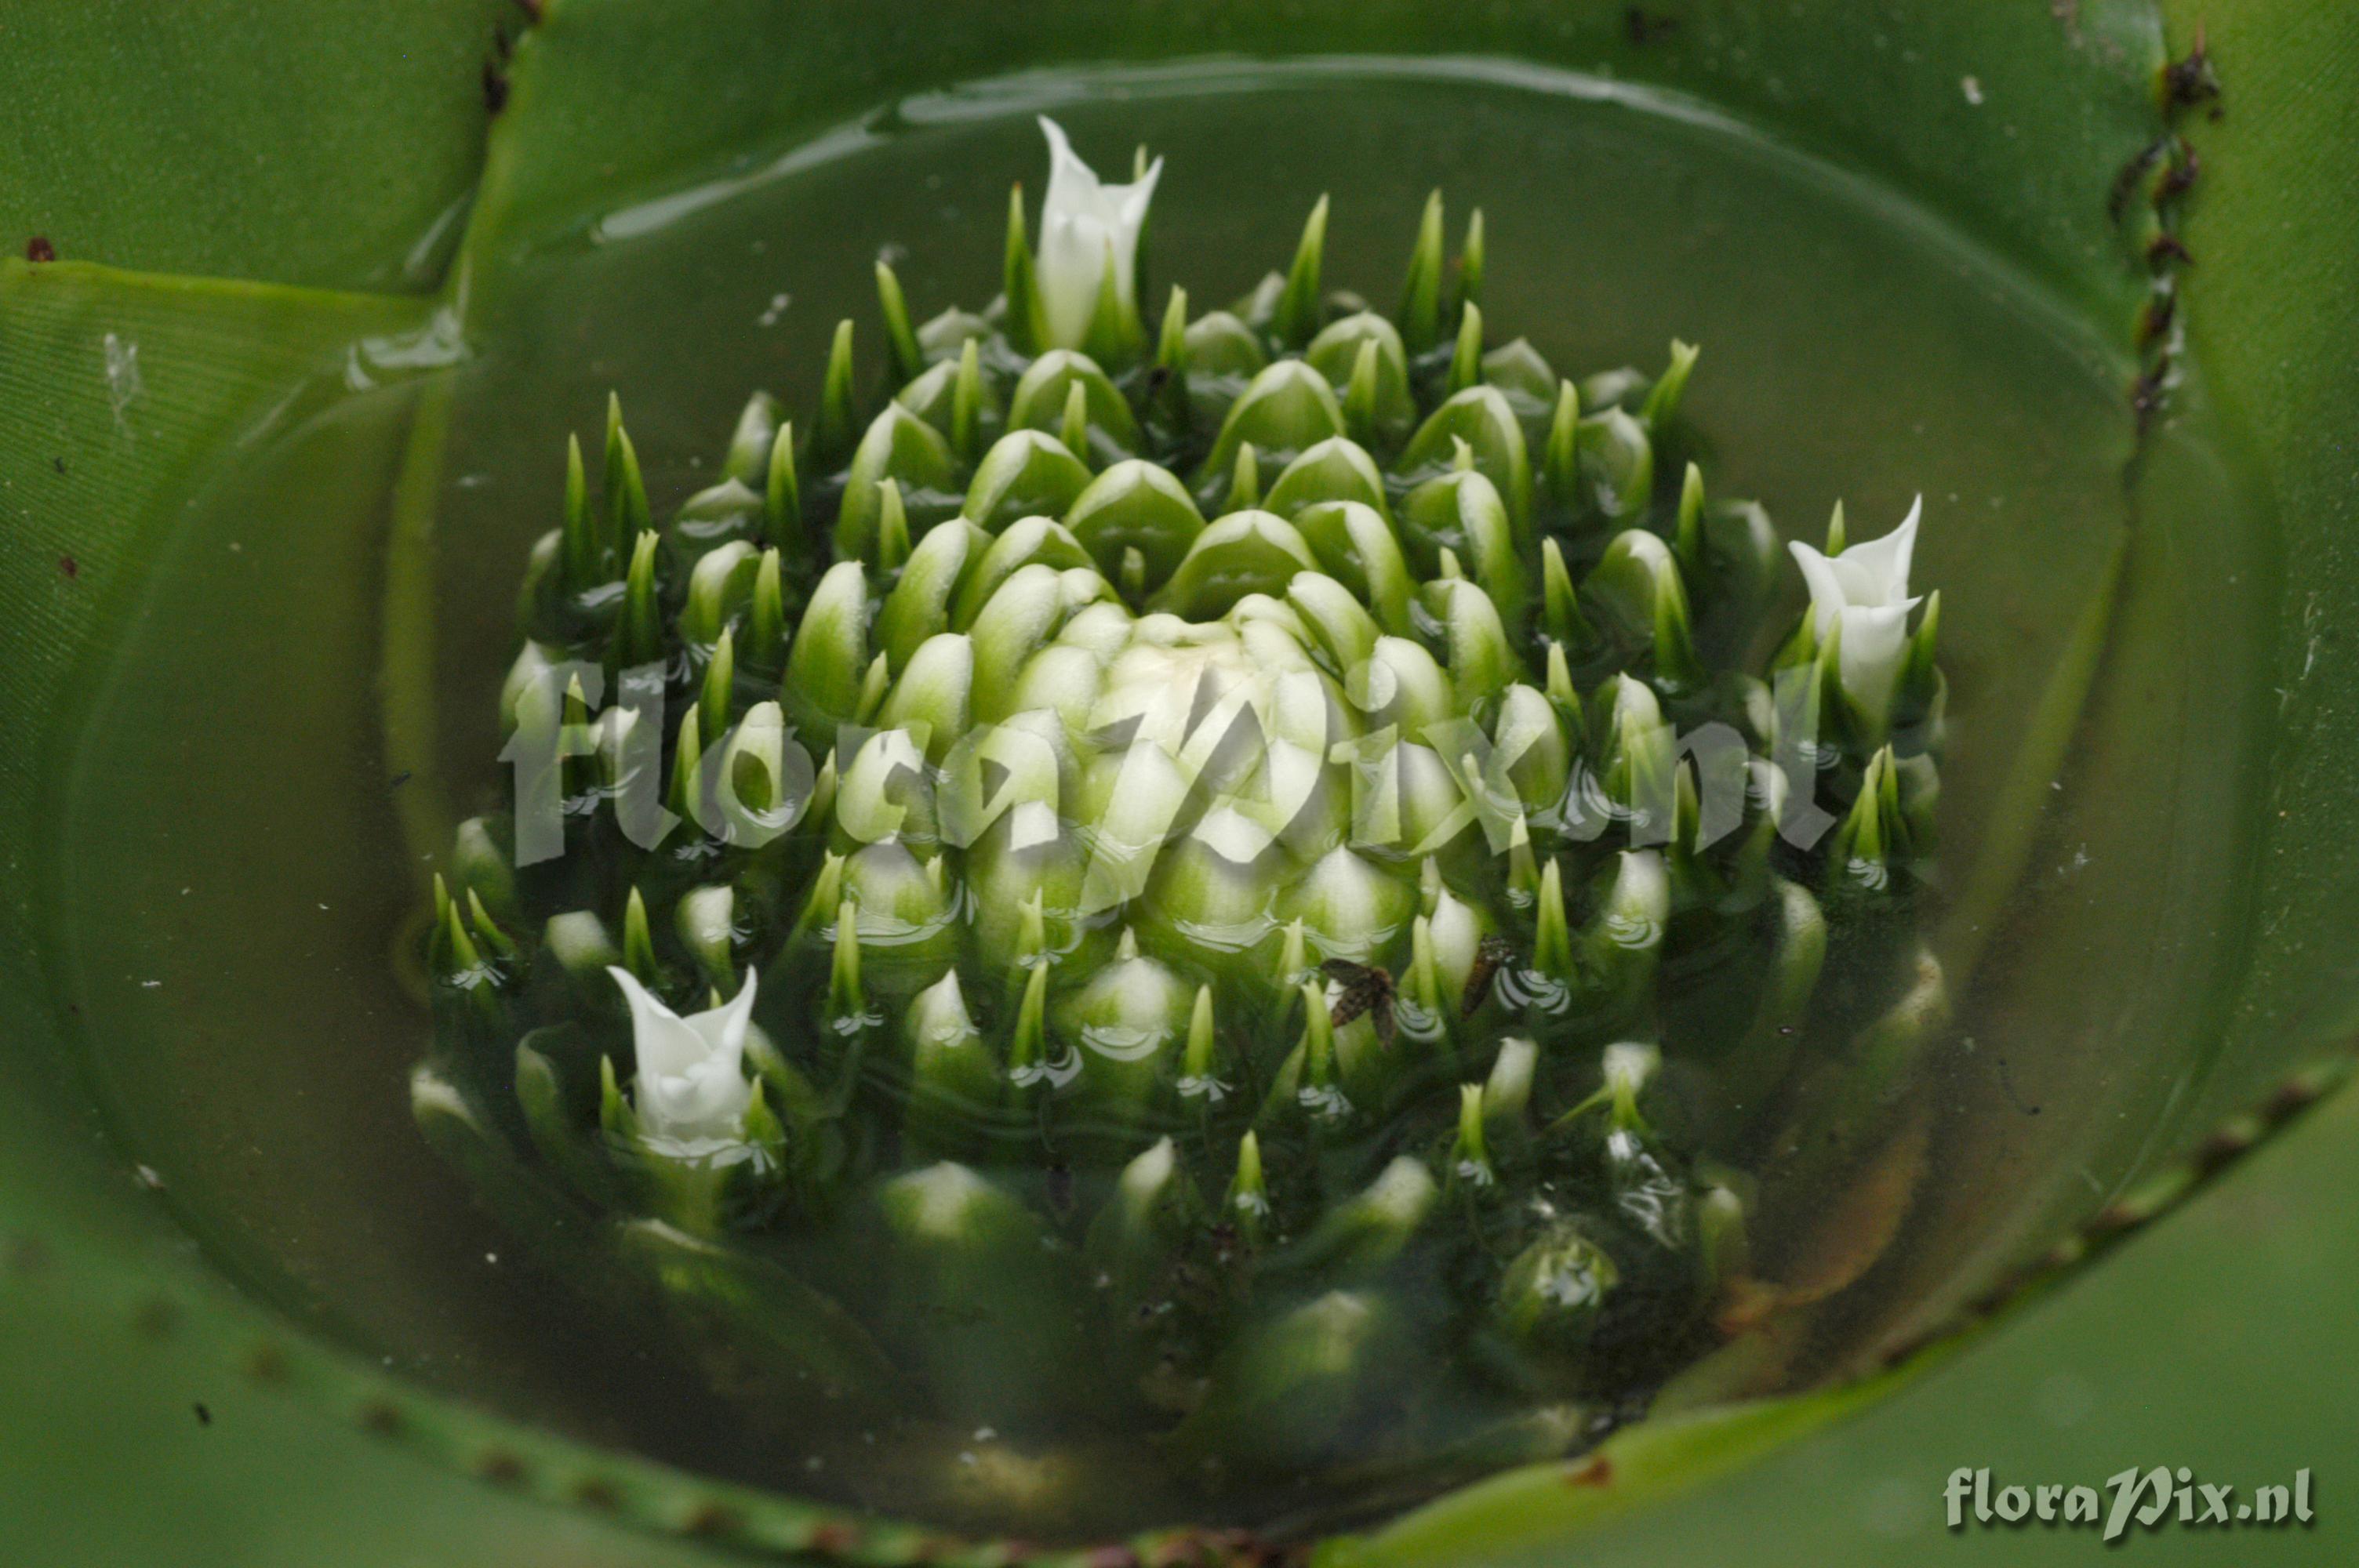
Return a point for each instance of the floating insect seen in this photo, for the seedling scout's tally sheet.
(1366, 989)
(1489, 958)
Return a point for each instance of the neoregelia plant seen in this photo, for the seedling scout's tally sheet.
(1281, 864)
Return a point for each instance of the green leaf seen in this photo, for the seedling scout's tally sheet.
(330, 142)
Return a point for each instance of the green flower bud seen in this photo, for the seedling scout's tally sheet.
(1287, 409)
(914, 456)
(1027, 473)
(1552, 1295)
(1462, 512)
(1136, 1239)
(1245, 552)
(1531, 386)
(1337, 469)
(1638, 593)
(829, 657)
(954, 1082)
(1337, 353)
(1136, 505)
(1616, 466)
(1046, 386)
(1360, 1236)
(1291, 1391)
(1481, 417)
(1356, 546)
(976, 1264)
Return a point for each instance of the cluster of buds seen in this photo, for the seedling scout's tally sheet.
(1245, 854)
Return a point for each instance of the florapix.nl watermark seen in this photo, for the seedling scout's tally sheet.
(2157, 1498)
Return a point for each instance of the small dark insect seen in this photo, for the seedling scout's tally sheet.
(1645, 29)
(2006, 1081)
(58, 464)
(1489, 958)
(1365, 989)
(1060, 1187)
(70, 566)
(398, 779)
(1157, 379)
(495, 88)
(38, 249)
(204, 1416)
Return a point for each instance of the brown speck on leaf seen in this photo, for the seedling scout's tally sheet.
(381, 1417)
(38, 249)
(2180, 177)
(2191, 79)
(2290, 1097)
(2220, 1151)
(532, 10)
(2125, 181)
(68, 565)
(714, 1520)
(2114, 1220)
(204, 1416)
(1596, 1471)
(1745, 1304)
(501, 1468)
(834, 1538)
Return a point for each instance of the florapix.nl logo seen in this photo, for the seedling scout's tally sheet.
(2151, 1500)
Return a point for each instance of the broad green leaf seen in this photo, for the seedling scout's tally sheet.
(332, 142)
(122, 398)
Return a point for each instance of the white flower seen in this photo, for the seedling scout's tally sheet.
(1086, 227)
(1865, 590)
(692, 1093)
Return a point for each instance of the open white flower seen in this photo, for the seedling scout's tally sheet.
(1865, 590)
(1087, 227)
(692, 1092)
